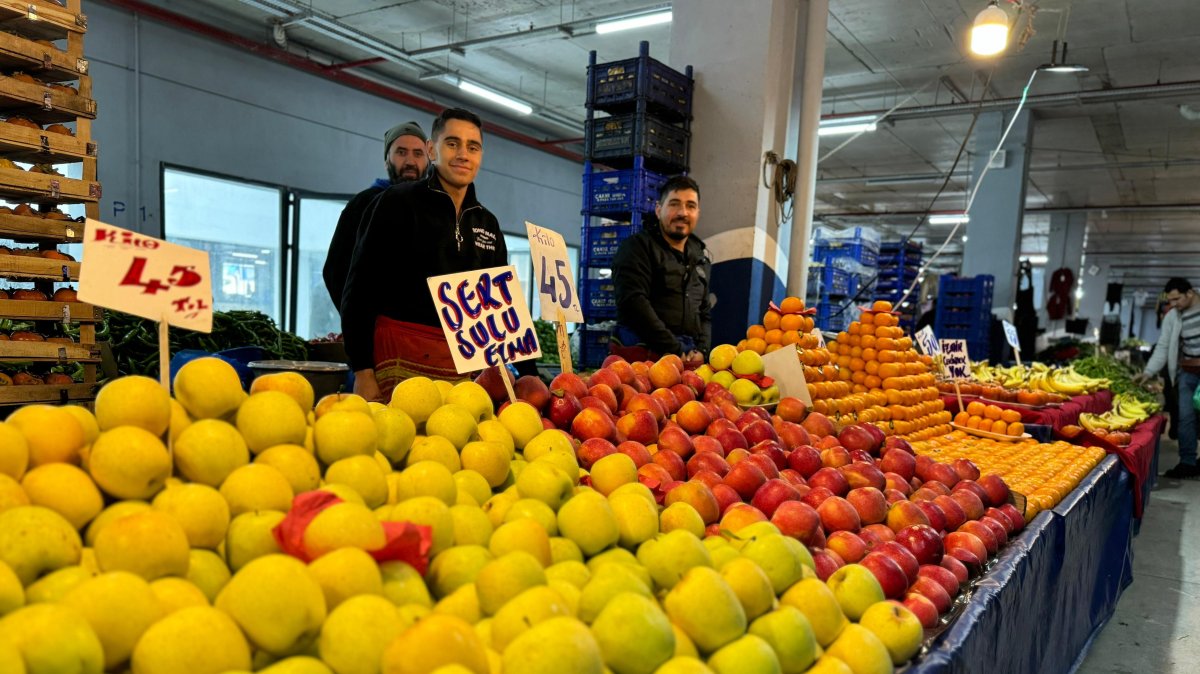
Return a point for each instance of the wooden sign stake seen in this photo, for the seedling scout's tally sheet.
(164, 355)
(512, 395)
(958, 393)
(564, 345)
(1017, 353)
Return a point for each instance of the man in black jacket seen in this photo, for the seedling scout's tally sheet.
(413, 231)
(661, 276)
(406, 161)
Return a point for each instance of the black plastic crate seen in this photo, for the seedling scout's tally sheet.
(623, 191)
(617, 87)
(602, 241)
(615, 141)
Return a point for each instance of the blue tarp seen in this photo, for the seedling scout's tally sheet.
(1050, 589)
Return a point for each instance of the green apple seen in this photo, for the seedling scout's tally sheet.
(861, 650)
(722, 356)
(791, 637)
(607, 582)
(572, 571)
(552, 647)
(453, 568)
(471, 525)
(402, 585)
(706, 608)
(497, 507)
(535, 605)
(725, 378)
(897, 628)
(747, 362)
(750, 654)
(613, 471)
(589, 520)
(635, 488)
(525, 535)
(827, 664)
(564, 549)
(671, 555)
(683, 665)
(536, 510)
(52, 638)
(684, 648)
(751, 585)
(817, 602)
(637, 518)
(781, 557)
(746, 392)
(463, 602)
(430, 512)
(680, 515)
(770, 394)
(545, 442)
(634, 634)
(506, 577)
(545, 482)
(705, 372)
(856, 589)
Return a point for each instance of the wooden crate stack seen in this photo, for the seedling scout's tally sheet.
(44, 80)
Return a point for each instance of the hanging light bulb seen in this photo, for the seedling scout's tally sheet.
(989, 34)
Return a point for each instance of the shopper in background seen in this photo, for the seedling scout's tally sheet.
(661, 275)
(404, 156)
(1179, 349)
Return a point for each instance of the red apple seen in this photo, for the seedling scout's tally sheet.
(667, 399)
(1014, 516)
(772, 450)
(639, 427)
(708, 477)
(735, 456)
(745, 478)
(850, 547)
(694, 381)
(739, 515)
(864, 475)
(923, 494)
(953, 512)
(816, 496)
(880, 531)
(569, 382)
(923, 464)
(532, 390)
(835, 457)
(683, 393)
(973, 486)
(825, 562)
(857, 437)
(984, 533)
(829, 442)
(792, 435)
(921, 607)
(901, 555)
(877, 433)
(966, 469)
(713, 391)
(491, 382)
(831, 479)
(804, 459)
(818, 425)
(765, 464)
(642, 383)
(900, 463)
(664, 375)
(604, 376)
(965, 540)
(795, 479)
(719, 424)
(937, 519)
(838, 515)
(1001, 517)
(732, 439)
(936, 486)
(970, 503)
(942, 576)
(592, 450)
(894, 496)
(563, 408)
(956, 567)
(672, 462)
(859, 456)
(791, 409)
(699, 496)
(894, 481)
(889, 574)
(996, 489)
(905, 514)
(621, 368)
(653, 475)
(897, 442)
(708, 461)
(923, 542)
(870, 503)
(693, 417)
(798, 520)
(592, 423)
(675, 439)
(760, 431)
(940, 472)
(625, 395)
(934, 592)
(726, 496)
(772, 494)
(590, 401)
(645, 402)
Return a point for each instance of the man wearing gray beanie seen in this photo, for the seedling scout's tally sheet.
(406, 161)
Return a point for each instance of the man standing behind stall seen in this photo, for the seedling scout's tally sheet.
(1178, 349)
(661, 275)
(413, 231)
(404, 156)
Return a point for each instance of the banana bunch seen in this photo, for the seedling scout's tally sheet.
(1015, 376)
(1064, 380)
(1126, 413)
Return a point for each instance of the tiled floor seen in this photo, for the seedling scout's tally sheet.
(1156, 628)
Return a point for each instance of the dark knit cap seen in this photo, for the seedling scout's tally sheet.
(405, 129)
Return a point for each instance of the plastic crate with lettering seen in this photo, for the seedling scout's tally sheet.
(617, 86)
(622, 191)
(615, 141)
(599, 298)
(593, 346)
(832, 318)
(602, 241)
(831, 280)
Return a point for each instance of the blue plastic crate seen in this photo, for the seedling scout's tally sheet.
(832, 318)
(603, 241)
(593, 346)
(623, 191)
(860, 251)
(903, 246)
(618, 86)
(615, 141)
(599, 297)
(829, 280)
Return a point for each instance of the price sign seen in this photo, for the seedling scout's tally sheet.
(553, 276)
(785, 368)
(484, 317)
(1010, 334)
(956, 359)
(145, 276)
(928, 343)
(820, 338)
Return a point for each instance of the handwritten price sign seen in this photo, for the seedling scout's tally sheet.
(928, 343)
(956, 360)
(145, 276)
(555, 282)
(484, 318)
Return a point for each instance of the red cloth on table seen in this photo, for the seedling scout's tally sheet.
(1065, 414)
(405, 541)
(1137, 456)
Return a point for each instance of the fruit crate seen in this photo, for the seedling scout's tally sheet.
(858, 251)
(622, 191)
(599, 298)
(829, 280)
(593, 346)
(602, 241)
(620, 86)
(831, 318)
(615, 141)
(43, 20)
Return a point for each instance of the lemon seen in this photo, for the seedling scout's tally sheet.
(12, 595)
(207, 572)
(111, 514)
(271, 418)
(471, 525)
(120, 607)
(345, 573)
(256, 487)
(276, 603)
(175, 594)
(417, 397)
(473, 483)
(522, 421)
(66, 490)
(427, 478)
(179, 421)
(299, 664)
(489, 459)
(52, 434)
(197, 640)
(293, 384)
(453, 422)
(338, 435)
(209, 450)
(14, 451)
(433, 642)
(430, 512)
(151, 544)
(134, 401)
(295, 463)
(396, 431)
(200, 509)
(343, 525)
(53, 638)
(435, 448)
(362, 473)
(129, 463)
(208, 388)
(357, 632)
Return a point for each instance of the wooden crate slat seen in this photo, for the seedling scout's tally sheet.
(27, 310)
(48, 351)
(18, 185)
(27, 228)
(31, 100)
(45, 62)
(47, 393)
(22, 267)
(19, 143)
(53, 22)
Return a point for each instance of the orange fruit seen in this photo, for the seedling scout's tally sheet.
(881, 305)
(790, 337)
(774, 336)
(1010, 416)
(773, 347)
(973, 422)
(755, 331)
(1016, 429)
(868, 341)
(790, 322)
(872, 382)
(867, 318)
(809, 324)
(975, 408)
(771, 320)
(756, 344)
(992, 412)
(791, 305)
(999, 426)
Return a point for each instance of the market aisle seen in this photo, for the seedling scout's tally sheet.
(1156, 627)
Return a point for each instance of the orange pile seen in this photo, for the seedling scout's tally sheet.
(781, 328)
(1044, 473)
(991, 418)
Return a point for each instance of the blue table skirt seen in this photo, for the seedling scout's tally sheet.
(1050, 589)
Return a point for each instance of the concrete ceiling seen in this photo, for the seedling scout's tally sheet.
(1129, 154)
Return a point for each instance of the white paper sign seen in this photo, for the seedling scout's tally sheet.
(484, 318)
(784, 366)
(820, 338)
(144, 276)
(1010, 333)
(928, 343)
(552, 275)
(955, 358)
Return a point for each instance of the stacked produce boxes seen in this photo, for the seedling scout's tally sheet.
(899, 264)
(843, 269)
(629, 156)
(964, 311)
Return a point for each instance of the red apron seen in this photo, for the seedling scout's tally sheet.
(404, 350)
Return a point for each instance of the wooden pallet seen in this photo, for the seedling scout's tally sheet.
(18, 185)
(41, 103)
(47, 393)
(43, 20)
(67, 312)
(48, 63)
(24, 228)
(19, 267)
(34, 146)
(48, 352)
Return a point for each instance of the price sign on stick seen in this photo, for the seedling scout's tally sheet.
(784, 366)
(1010, 334)
(957, 363)
(555, 283)
(928, 343)
(147, 277)
(485, 319)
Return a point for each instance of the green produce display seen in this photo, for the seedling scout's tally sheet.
(547, 341)
(1119, 374)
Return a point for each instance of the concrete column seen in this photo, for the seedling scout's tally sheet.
(994, 232)
(1064, 250)
(1095, 286)
(749, 64)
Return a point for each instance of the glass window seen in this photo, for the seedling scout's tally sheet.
(518, 256)
(315, 314)
(238, 225)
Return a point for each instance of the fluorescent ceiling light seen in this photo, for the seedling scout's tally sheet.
(845, 129)
(639, 21)
(989, 34)
(950, 219)
(1037, 259)
(1063, 68)
(495, 97)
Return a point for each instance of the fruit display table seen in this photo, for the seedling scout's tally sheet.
(1065, 414)
(1051, 589)
(1139, 457)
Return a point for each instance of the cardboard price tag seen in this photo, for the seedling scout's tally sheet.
(928, 343)
(484, 317)
(553, 276)
(1014, 340)
(784, 366)
(144, 276)
(955, 358)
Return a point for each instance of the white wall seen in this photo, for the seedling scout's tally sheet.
(209, 106)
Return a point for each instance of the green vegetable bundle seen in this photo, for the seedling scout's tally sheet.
(547, 336)
(1120, 375)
